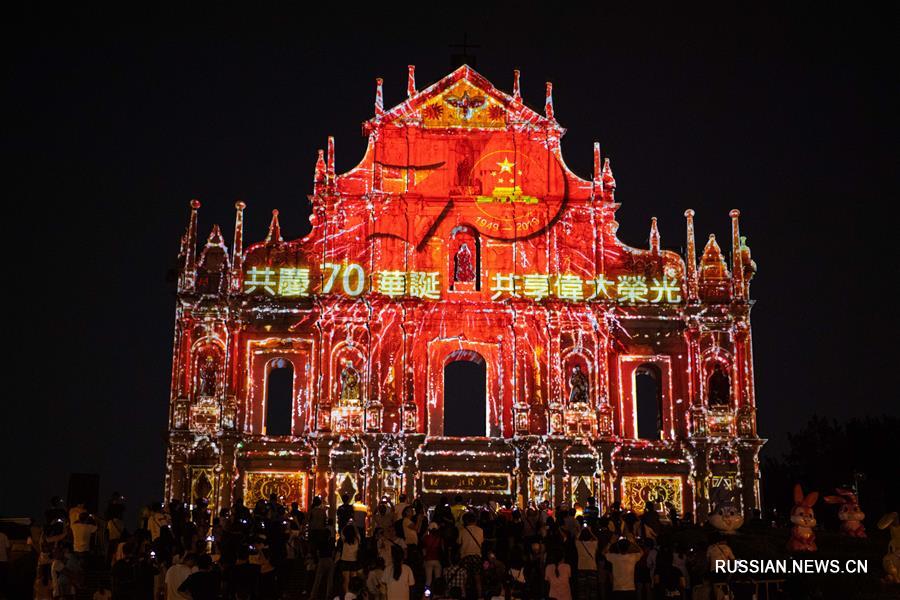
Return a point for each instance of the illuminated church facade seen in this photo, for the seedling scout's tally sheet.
(462, 240)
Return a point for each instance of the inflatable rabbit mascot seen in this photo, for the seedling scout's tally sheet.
(726, 518)
(850, 514)
(803, 538)
(891, 560)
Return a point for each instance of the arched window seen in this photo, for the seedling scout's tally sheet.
(465, 395)
(279, 397)
(648, 401)
(719, 387)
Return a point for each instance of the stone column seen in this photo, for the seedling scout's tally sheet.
(748, 454)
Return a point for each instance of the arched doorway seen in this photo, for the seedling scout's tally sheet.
(465, 394)
(279, 397)
(648, 400)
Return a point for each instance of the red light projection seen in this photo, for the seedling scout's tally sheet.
(462, 235)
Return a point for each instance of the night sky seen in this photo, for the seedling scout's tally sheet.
(111, 129)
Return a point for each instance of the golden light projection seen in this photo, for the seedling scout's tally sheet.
(288, 486)
(637, 490)
(351, 280)
(451, 482)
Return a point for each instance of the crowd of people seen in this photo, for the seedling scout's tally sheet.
(452, 549)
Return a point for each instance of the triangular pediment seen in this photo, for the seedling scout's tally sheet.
(462, 99)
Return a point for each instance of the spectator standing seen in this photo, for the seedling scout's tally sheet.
(348, 564)
(398, 579)
(204, 583)
(157, 520)
(432, 553)
(669, 579)
(471, 538)
(318, 522)
(82, 532)
(623, 556)
(587, 581)
(344, 512)
(557, 575)
(176, 574)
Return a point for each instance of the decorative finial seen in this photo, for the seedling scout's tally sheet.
(712, 263)
(548, 102)
(215, 237)
(691, 258)
(329, 165)
(654, 236)
(517, 92)
(737, 269)
(274, 229)
(189, 248)
(192, 235)
(609, 182)
(237, 245)
(319, 176)
(597, 163)
(411, 81)
(379, 97)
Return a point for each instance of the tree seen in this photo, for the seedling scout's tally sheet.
(826, 454)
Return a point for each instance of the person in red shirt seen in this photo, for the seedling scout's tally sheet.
(432, 553)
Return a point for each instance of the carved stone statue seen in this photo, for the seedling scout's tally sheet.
(463, 268)
(578, 387)
(349, 385)
(208, 374)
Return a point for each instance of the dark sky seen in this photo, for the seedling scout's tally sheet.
(112, 127)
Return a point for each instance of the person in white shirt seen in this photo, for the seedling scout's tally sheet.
(471, 539)
(587, 574)
(175, 576)
(82, 531)
(399, 577)
(348, 563)
(115, 529)
(557, 574)
(623, 556)
(401, 506)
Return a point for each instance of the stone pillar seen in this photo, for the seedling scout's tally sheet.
(748, 454)
(226, 471)
(323, 480)
(700, 455)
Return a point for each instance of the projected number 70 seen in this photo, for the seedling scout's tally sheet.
(353, 279)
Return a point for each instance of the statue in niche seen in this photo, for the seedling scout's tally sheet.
(578, 387)
(389, 387)
(463, 265)
(208, 374)
(349, 385)
(464, 165)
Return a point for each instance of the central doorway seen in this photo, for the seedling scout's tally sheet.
(465, 395)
